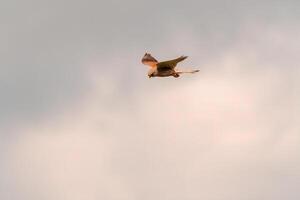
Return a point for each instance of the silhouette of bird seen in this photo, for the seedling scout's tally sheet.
(165, 68)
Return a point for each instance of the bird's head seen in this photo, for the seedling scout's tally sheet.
(151, 73)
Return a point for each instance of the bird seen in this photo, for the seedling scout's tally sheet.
(165, 68)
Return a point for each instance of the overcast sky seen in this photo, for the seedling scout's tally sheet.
(79, 118)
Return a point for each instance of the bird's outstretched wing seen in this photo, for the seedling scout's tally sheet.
(149, 60)
(170, 64)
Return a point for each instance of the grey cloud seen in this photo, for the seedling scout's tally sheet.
(86, 123)
(225, 134)
(44, 44)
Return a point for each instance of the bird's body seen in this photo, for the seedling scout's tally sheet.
(165, 68)
(163, 72)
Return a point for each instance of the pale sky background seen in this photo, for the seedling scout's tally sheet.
(81, 120)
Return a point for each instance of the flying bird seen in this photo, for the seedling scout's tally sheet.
(165, 68)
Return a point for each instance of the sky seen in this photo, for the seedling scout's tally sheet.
(80, 119)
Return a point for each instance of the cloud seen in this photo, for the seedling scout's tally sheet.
(229, 132)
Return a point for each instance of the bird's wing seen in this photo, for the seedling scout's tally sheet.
(149, 60)
(170, 64)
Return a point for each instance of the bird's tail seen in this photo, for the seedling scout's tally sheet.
(188, 71)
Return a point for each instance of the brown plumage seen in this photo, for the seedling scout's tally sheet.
(165, 68)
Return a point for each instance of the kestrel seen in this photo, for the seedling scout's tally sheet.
(165, 68)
